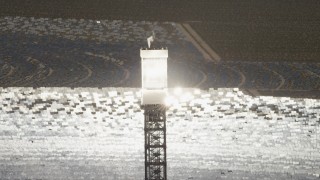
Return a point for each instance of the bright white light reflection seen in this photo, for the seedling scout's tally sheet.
(169, 101)
(197, 91)
(154, 73)
(186, 97)
(177, 91)
(179, 96)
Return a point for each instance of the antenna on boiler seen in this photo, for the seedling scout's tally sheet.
(151, 39)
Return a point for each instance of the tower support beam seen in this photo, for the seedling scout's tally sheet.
(155, 142)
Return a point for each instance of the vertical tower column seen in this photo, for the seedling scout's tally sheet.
(154, 91)
(155, 142)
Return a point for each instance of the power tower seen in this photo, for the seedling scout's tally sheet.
(154, 91)
(155, 142)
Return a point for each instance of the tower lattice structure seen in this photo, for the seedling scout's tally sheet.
(155, 142)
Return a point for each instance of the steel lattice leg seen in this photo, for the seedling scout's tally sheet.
(155, 142)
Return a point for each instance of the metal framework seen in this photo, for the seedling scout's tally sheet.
(155, 142)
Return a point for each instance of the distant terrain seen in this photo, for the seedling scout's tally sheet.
(266, 30)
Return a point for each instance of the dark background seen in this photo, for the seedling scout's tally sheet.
(265, 30)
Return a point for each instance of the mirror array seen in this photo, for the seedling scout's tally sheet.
(46, 52)
(84, 133)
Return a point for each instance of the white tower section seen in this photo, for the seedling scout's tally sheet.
(154, 76)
